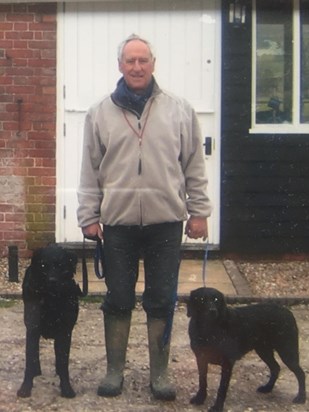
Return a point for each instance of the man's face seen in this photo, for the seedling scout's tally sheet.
(137, 65)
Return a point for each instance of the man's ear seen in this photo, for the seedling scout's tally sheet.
(120, 66)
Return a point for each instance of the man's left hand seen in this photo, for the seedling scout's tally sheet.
(196, 227)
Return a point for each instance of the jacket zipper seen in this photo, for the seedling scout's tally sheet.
(139, 133)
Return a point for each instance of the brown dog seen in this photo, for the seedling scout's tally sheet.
(221, 335)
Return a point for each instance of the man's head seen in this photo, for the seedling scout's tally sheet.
(136, 62)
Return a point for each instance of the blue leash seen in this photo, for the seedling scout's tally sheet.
(205, 262)
(169, 323)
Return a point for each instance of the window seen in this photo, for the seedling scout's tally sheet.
(280, 66)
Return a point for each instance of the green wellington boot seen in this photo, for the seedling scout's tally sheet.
(160, 385)
(117, 328)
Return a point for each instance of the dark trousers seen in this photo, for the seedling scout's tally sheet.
(159, 245)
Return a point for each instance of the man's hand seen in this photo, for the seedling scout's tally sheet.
(93, 231)
(196, 227)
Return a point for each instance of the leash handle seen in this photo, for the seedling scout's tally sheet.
(98, 256)
(84, 270)
(99, 259)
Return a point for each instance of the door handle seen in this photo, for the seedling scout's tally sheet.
(208, 145)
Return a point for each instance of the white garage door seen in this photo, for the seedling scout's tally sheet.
(186, 36)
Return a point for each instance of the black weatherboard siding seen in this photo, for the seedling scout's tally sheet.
(264, 178)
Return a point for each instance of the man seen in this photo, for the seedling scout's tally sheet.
(142, 174)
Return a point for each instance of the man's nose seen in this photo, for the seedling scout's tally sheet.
(137, 65)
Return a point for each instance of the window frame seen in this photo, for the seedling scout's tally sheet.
(280, 128)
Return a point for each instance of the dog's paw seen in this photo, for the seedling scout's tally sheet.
(67, 391)
(215, 409)
(24, 391)
(265, 388)
(198, 399)
(300, 398)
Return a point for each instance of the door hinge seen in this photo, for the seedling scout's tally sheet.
(64, 92)
(64, 129)
(64, 212)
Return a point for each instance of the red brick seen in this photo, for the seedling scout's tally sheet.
(14, 217)
(19, 17)
(10, 126)
(20, 44)
(12, 35)
(49, 181)
(41, 171)
(20, 26)
(42, 44)
(42, 26)
(19, 54)
(20, 62)
(26, 35)
(4, 80)
(6, 44)
(5, 26)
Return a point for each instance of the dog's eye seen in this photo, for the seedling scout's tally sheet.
(43, 266)
(216, 300)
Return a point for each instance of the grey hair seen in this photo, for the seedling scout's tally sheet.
(130, 38)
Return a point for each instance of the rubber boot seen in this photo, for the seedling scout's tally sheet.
(117, 328)
(160, 385)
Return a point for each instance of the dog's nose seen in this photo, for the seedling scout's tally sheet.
(213, 311)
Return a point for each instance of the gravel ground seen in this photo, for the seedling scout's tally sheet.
(276, 279)
(88, 362)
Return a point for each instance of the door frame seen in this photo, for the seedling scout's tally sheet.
(216, 141)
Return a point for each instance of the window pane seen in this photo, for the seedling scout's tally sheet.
(304, 104)
(274, 61)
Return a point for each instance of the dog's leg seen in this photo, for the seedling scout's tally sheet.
(62, 347)
(226, 373)
(33, 367)
(289, 354)
(267, 355)
(293, 365)
(301, 378)
(202, 365)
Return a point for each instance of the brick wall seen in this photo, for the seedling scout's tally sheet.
(27, 125)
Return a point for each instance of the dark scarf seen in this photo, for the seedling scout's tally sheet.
(126, 98)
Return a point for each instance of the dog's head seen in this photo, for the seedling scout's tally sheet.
(207, 304)
(53, 265)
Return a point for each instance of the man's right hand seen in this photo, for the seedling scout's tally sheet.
(93, 231)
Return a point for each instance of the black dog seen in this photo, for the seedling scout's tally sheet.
(50, 297)
(221, 335)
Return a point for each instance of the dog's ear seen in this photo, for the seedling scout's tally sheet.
(190, 304)
(223, 310)
(36, 257)
(189, 309)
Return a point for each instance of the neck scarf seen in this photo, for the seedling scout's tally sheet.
(126, 98)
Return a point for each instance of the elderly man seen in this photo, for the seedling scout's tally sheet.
(142, 174)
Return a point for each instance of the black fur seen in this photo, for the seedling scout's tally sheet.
(221, 335)
(50, 297)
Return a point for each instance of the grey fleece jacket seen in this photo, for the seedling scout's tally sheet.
(142, 171)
